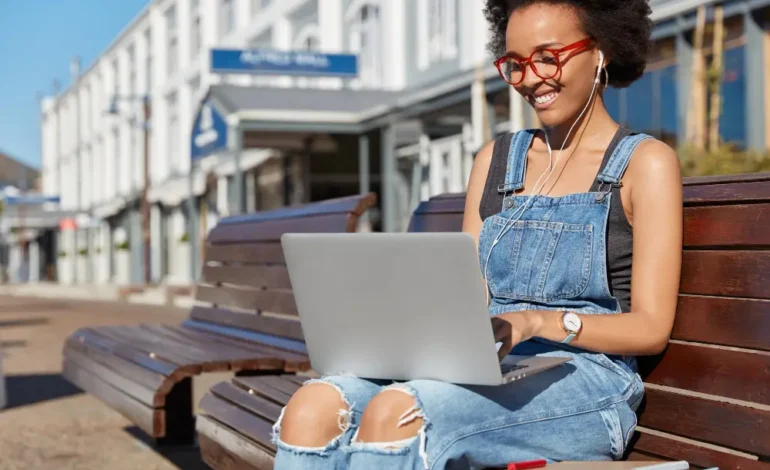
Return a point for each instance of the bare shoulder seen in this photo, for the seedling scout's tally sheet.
(654, 158)
(480, 169)
(654, 168)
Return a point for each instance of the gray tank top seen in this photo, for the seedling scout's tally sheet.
(619, 231)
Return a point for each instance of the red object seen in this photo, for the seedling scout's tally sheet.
(527, 465)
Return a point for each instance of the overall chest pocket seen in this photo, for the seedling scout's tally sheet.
(540, 261)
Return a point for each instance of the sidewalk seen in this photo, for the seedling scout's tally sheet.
(153, 295)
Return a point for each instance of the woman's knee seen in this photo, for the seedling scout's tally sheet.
(315, 415)
(392, 415)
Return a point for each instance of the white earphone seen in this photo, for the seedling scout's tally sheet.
(520, 210)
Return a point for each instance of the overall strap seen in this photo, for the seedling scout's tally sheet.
(613, 171)
(517, 161)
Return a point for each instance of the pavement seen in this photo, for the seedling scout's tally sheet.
(49, 423)
(150, 295)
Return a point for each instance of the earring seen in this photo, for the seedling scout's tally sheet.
(606, 78)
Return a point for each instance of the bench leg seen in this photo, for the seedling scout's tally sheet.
(180, 421)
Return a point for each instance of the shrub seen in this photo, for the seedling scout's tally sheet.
(725, 160)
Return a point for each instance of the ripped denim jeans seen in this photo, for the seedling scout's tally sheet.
(583, 410)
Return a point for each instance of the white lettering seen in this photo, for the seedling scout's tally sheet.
(258, 57)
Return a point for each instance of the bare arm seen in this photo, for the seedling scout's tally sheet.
(656, 200)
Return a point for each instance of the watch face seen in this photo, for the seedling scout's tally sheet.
(572, 322)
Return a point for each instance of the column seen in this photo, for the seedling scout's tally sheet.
(34, 261)
(156, 243)
(516, 110)
(387, 187)
(755, 82)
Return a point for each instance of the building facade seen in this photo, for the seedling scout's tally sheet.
(425, 98)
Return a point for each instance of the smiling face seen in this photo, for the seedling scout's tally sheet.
(533, 29)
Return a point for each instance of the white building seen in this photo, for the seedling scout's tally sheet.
(426, 96)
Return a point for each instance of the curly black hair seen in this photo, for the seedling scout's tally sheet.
(622, 28)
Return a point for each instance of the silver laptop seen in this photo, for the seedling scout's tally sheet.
(399, 306)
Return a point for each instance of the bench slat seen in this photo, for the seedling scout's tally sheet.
(730, 226)
(263, 388)
(261, 356)
(731, 374)
(132, 371)
(225, 449)
(726, 273)
(154, 350)
(436, 223)
(733, 426)
(92, 339)
(750, 191)
(266, 410)
(272, 230)
(355, 204)
(257, 253)
(275, 276)
(718, 320)
(276, 301)
(236, 418)
(701, 456)
(289, 327)
(151, 420)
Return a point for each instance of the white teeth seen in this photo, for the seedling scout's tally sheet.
(546, 98)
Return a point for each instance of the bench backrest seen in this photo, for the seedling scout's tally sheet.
(244, 281)
(708, 395)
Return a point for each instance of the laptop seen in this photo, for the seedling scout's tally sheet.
(398, 306)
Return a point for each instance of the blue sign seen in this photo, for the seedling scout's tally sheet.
(299, 63)
(209, 132)
(31, 199)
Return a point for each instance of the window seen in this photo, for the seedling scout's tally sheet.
(195, 32)
(226, 17)
(438, 31)
(148, 61)
(173, 41)
(173, 131)
(732, 119)
(258, 5)
(365, 40)
(132, 89)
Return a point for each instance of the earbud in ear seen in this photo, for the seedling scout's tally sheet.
(599, 69)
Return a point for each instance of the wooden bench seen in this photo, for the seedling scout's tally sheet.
(708, 396)
(244, 321)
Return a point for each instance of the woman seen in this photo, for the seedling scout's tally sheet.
(580, 248)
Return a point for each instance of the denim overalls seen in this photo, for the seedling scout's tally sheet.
(552, 257)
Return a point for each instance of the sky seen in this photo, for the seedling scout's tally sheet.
(38, 39)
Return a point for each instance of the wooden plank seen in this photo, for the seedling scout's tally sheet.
(257, 405)
(273, 229)
(134, 372)
(701, 456)
(273, 276)
(151, 420)
(276, 301)
(225, 449)
(742, 323)
(256, 253)
(90, 338)
(355, 204)
(449, 204)
(726, 273)
(154, 350)
(436, 223)
(227, 351)
(279, 383)
(725, 179)
(724, 424)
(263, 388)
(753, 191)
(731, 374)
(147, 396)
(745, 225)
(236, 418)
(288, 328)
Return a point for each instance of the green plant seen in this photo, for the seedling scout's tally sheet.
(727, 159)
(62, 254)
(83, 252)
(184, 238)
(122, 246)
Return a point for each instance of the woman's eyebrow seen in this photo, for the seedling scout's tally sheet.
(542, 46)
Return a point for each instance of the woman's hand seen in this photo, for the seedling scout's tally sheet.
(513, 328)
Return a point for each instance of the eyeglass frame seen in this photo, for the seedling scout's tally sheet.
(583, 43)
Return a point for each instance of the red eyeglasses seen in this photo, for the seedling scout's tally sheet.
(546, 63)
